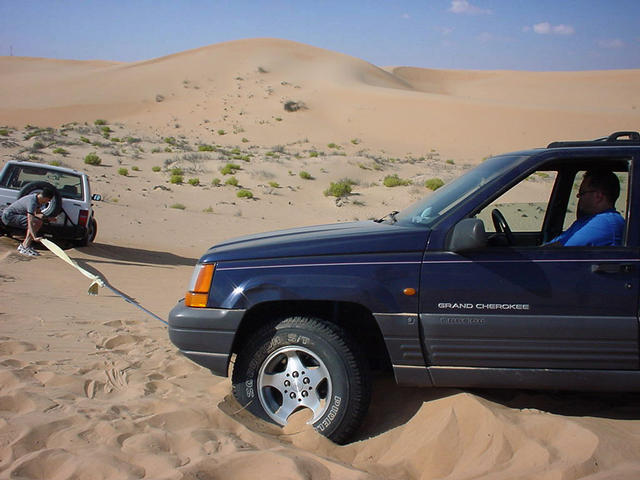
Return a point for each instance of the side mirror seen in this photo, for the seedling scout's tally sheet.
(96, 197)
(468, 234)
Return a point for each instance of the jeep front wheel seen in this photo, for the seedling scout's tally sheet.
(304, 362)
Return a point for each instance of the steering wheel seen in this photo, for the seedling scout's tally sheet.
(501, 225)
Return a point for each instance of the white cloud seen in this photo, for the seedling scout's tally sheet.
(444, 30)
(463, 6)
(611, 43)
(545, 28)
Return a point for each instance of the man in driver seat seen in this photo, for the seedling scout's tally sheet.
(598, 223)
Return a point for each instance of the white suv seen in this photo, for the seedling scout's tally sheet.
(70, 210)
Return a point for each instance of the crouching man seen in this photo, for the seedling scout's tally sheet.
(25, 213)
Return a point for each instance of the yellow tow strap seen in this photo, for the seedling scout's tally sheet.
(56, 250)
(96, 280)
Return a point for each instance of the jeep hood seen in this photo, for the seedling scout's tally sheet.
(335, 239)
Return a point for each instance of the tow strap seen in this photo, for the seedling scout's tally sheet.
(96, 280)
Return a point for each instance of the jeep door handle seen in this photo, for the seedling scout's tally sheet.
(611, 268)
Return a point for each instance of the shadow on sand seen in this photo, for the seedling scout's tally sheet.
(134, 256)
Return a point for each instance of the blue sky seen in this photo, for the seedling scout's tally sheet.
(535, 35)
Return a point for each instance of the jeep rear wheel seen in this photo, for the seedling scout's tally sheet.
(304, 362)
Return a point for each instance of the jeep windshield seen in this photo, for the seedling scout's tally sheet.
(430, 209)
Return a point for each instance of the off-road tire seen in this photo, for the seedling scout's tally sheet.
(311, 349)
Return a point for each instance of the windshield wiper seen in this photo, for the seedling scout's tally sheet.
(391, 216)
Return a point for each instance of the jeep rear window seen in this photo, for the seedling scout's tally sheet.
(429, 210)
(68, 184)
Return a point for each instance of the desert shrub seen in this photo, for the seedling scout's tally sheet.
(274, 184)
(233, 181)
(245, 140)
(333, 145)
(194, 181)
(209, 209)
(313, 154)
(305, 175)
(4, 132)
(135, 168)
(85, 140)
(339, 189)
(450, 162)
(395, 181)
(178, 206)
(156, 168)
(60, 151)
(159, 98)
(156, 150)
(177, 171)
(131, 140)
(206, 148)
(170, 140)
(433, 183)
(176, 179)
(244, 194)
(355, 141)
(230, 169)
(168, 149)
(106, 130)
(291, 106)
(100, 121)
(221, 132)
(38, 145)
(123, 171)
(92, 159)
(55, 163)
(116, 139)
(216, 182)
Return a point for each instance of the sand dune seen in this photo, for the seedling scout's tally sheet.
(241, 86)
(91, 387)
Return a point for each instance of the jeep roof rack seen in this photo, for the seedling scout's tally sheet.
(615, 139)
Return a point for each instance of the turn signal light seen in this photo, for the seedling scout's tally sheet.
(198, 293)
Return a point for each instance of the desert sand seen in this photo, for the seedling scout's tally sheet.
(92, 388)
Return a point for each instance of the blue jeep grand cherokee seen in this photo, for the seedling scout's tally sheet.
(455, 291)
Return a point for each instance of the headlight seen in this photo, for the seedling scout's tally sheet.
(198, 293)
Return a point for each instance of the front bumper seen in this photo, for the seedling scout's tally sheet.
(205, 335)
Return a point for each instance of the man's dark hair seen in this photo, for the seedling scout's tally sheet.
(48, 192)
(605, 181)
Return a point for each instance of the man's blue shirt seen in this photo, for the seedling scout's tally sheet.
(599, 230)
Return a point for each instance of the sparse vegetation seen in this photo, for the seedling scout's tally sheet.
(61, 151)
(395, 181)
(4, 132)
(177, 171)
(221, 132)
(291, 106)
(244, 194)
(100, 121)
(340, 189)
(450, 162)
(194, 181)
(230, 169)
(92, 159)
(170, 140)
(123, 171)
(274, 184)
(176, 179)
(233, 181)
(206, 148)
(216, 182)
(333, 145)
(55, 163)
(433, 183)
(156, 168)
(135, 168)
(313, 154)
(178, 206)
(306, 175)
